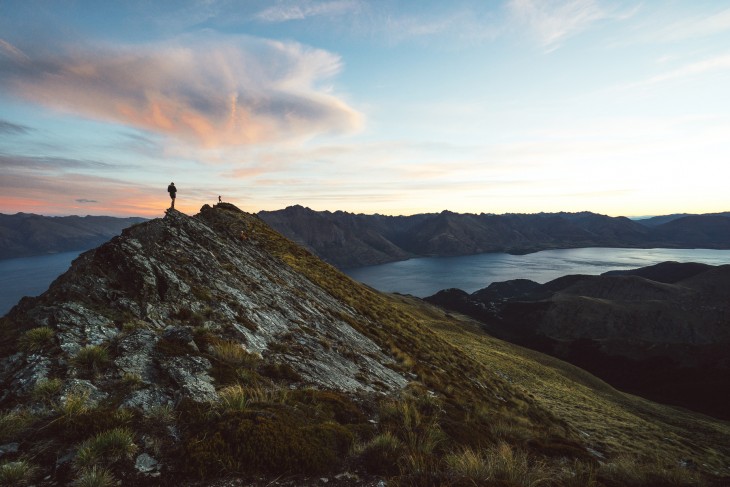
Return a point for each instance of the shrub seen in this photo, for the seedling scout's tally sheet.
(273, 441)
(37, 339)
(380, 455)
(95, 477)
(46, 389)
(17, 473)
(93, 358)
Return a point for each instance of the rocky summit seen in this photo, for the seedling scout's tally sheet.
(210, 350)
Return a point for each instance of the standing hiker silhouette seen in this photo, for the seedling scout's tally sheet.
(172, 190)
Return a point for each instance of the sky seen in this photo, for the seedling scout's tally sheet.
(385, 106)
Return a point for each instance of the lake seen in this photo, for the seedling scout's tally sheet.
(425, 276)
(31, 276)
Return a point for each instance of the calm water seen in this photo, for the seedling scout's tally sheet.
(425, 276)
(30, 276)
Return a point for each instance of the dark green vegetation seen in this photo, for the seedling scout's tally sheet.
(26, 234)
(661, 331)
(353, 240)
(190, 349)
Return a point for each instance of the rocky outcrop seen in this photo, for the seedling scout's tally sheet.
(160, 275)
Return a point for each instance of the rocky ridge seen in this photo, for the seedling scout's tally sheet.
(199, 347)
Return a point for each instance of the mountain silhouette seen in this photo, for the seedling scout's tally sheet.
(210, 349)
(352, 240)
(660, 331)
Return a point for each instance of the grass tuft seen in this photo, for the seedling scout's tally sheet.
(17, 473)
(95, 477)
(92, 358)
(46, 390)
(37, 339)
(105, 448)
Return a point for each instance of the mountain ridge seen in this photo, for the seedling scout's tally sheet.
(667, 324)
(195, 347)
(28, 234)
(354, 240)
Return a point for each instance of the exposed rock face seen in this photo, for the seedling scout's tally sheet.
(350, 240)
(147, 285)
(659, 331)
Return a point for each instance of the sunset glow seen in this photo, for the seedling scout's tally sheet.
(619, 108)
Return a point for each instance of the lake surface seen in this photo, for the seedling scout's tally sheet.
(30, 276)
(425, 276)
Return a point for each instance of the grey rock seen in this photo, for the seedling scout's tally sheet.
(9, 448)
(190, 373)
(146, 464)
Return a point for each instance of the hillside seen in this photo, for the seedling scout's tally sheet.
(352, 240)
(660, 331)
(26, 234)
(191, 349)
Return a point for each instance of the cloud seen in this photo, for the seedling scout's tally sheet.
(48, 163)
(205, 90)
(717, 63)
(695, 27)
(552, 21)
(84, 200)
(13, 128)
(300, 10)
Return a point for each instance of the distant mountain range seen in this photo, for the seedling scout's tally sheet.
(660, 331)
(353, 240)
(27, 234)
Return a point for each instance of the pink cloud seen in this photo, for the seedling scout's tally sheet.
(207, 91)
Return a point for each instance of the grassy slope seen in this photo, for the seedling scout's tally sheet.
(537, 392)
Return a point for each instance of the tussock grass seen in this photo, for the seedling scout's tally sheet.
(234, 354)
(92, 358)
(17, 473)
(37, 339)
(13, 424)
(46, 390)
(105, 448)
(95, 477)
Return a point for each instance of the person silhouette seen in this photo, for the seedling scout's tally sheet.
(172, 190)
(219, 199)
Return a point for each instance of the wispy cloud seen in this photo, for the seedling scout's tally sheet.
(717, 63)
(13, 128)
(210, 91)
(284, 11)
(84, 200)
(552, 21)
(695, 27)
